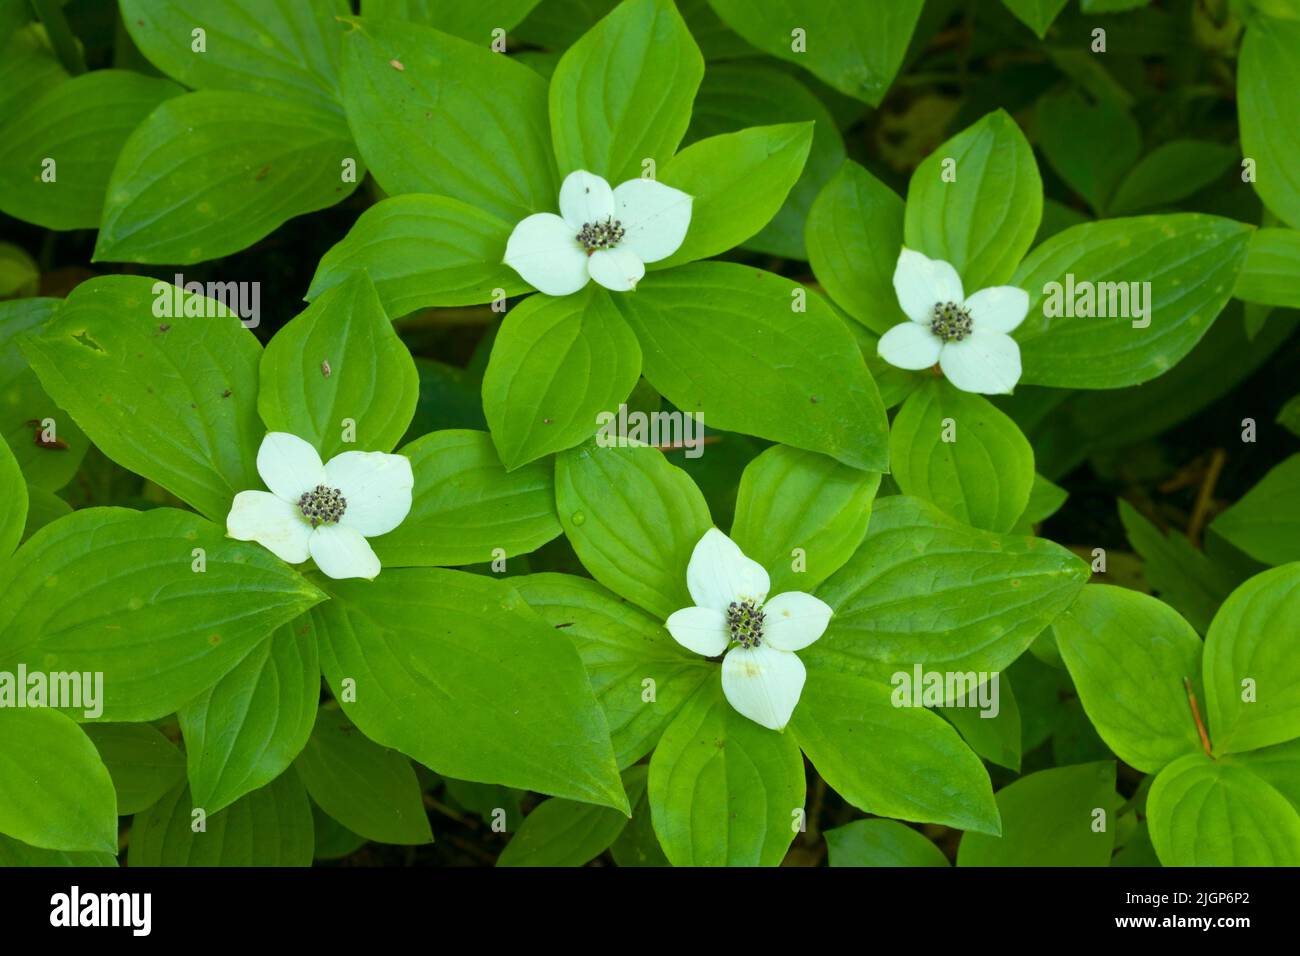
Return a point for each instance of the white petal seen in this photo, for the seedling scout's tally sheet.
(655, 216)
(793, 620)
(584, 198)
(288, 465)
(987, 363)
(544, 250)
(999, 309)
(272, 522)
(700, 629)
(922, 283)
(719, 573)
(910, 345)
(341, 552)
(377, 488)
(763, 684)
(616, 269)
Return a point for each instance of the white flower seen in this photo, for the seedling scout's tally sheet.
(966, 336)
(601, 233)
(325, 512)
(762, 677)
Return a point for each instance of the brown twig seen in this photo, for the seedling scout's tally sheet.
(1205, 496)
(1196, 715)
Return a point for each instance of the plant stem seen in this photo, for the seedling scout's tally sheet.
(56, 27)
(1196, 715)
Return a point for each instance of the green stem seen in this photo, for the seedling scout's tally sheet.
(56, 27)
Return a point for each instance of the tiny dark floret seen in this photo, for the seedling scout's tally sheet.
(603, 234)
(322, 505)
(951, 322)
(745, 623)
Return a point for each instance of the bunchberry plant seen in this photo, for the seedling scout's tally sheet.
(717, 432)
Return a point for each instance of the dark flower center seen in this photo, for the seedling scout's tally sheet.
(951, 322)
(322, 505)
(600, 235)
(745, 622)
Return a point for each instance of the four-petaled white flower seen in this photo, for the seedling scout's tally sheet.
(762, 677)
(966, 336)
(601, 233)
(325, 512)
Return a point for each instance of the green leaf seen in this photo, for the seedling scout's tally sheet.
(1191, 262)
(1207, 813)
(756, 92)
(334, 841)
(854, 234)
(993, 734)
(854, 47)
(1252, 677)
(1278, 766)
(724, 791)
(471, 21)
(467, 506)
(28, 66)
(269, 827)
(984, 221)
(13, 491)
(792, 500)
(1183, 576)
(16, 853)
(432, 113)
(370, 790)
(1170, 173)
(1268, 97)
(1128, 654)
(1036, 14)
(1265, 522)
(1090, 145)
(887, 759)
(451, 647)
(1045, 499)
(725, 340)
(564, 833)
(424, 251)
(924, 589)
(56, 153)
(171, 399)
(246, 729)
(210, 173)
(113, 591)
(23, 401)
(19, 274)
(1271, 275)
(557, 363)
(43, 507)
(281, 48)
(336, 363)
(638, 845)
(739, 181)
(143, 763)
(640, 675)
(55, 792)
(1050, 818)
(634, 520)
(622, 93)
(881, 843)
(957, 450)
